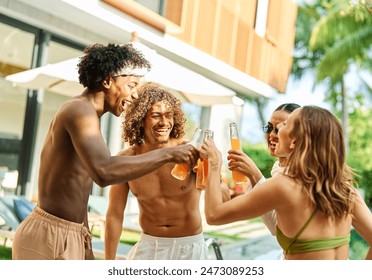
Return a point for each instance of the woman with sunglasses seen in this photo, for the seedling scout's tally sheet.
(239, 161)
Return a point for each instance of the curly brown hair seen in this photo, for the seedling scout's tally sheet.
(148, 94)
(101, 61)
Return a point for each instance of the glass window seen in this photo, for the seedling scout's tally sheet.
(261, 17)
(15, 56)
(58, 52)
(157, 6)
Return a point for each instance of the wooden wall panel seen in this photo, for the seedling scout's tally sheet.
(145, 15)
(274, 19)
(247, 12)
(173, 11)
(244, 47)
(225, 30)
(275, 60)
(285, 70)
(205, 25)
(188, 23)
(226, 33)
(281, 24)
(257, 54)
(267, 68)
(244, 36)
(288, 26)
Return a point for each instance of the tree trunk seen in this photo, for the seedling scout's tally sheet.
(345, 115)
(260, 103)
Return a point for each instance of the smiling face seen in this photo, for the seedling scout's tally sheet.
(286, 142)
(122, 91)
(158, 123)
(271, 137)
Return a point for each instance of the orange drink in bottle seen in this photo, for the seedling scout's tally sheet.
(181, 170)
(199, 176)
(237, 177)
(205, 173)
(208, 135)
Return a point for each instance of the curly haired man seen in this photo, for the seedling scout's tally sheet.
(169, 216)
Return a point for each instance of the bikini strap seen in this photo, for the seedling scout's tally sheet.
(305, 225)
(302, 229)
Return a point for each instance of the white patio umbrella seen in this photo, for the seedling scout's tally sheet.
(62, 78)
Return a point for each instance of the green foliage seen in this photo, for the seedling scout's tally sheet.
(304, 58)
(130, 237)
(360, 131)
(5, 253)
(340, 18)
(365, 182)
(358, 246)
(344, 35)
(360, 149)
(260, 155)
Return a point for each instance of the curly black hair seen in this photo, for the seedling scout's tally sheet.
(148, 94)
(101, 61)
(287, 107)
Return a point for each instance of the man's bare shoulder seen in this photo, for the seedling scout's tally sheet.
(77, 112)
(177, 142)
(131, 151)
(78, 105)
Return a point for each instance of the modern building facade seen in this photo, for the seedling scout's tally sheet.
(245, 46)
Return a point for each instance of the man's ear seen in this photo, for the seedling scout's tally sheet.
(106, 83)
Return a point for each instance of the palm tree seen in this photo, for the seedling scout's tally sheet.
(344, 35)
(332, 36)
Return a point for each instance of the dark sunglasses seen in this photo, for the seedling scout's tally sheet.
(269, 128)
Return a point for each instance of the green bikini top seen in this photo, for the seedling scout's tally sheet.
(295, 245)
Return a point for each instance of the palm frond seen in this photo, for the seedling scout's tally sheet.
(336, 58)
(341, 21)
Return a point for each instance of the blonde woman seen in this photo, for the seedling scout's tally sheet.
(314, 199)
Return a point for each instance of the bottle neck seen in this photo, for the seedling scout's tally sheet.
(234, 132)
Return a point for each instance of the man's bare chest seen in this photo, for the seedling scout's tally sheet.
(161, 183)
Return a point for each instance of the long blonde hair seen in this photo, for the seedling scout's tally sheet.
(318, 161)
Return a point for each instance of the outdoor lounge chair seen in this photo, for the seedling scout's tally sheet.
(13, 210)
(216, 247)
(8, 222)
(21, 206)
(9, 217)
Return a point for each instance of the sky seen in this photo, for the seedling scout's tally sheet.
(298, 91)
